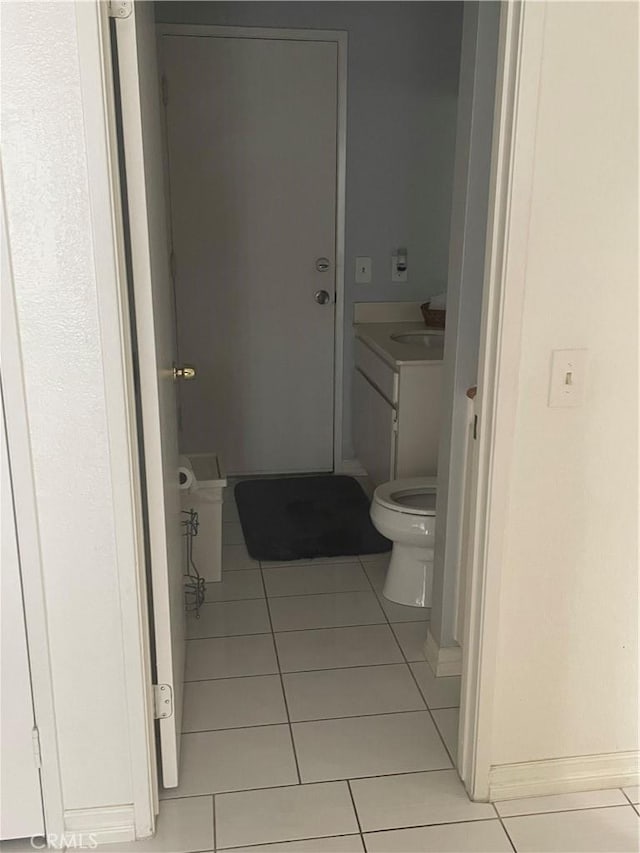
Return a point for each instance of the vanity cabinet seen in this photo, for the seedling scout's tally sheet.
(396, 416)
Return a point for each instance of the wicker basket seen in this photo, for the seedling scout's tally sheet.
(433, 317)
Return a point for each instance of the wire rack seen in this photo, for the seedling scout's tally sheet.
(194, 585)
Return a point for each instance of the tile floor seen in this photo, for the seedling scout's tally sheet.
(313, 724)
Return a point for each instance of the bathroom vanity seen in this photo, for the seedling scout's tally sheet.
(396, 399)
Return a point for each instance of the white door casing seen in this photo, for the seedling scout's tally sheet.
(22, 520)
(155, 334)
(252, 129)
(20, 797)
(515, 118)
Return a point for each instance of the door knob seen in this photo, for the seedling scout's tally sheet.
(323, 264)
(187, 371)
(322, 297)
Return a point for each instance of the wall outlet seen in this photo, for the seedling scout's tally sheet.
(567, 382)
(363, 270)
(399, 273)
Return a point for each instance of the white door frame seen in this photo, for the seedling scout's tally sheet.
(339, 38)
(517, 89)
(28, 533)
(98, 99)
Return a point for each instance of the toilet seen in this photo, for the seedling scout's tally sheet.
(405, 512)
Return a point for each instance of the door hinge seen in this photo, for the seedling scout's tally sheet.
(164, 87)
(120, 8)
(35, 743)
(395, 421)
(475, 427)
(162, 701)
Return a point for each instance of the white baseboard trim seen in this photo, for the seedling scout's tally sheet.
(102, 825)
(352, 468)
(443, 661)
(564, 775)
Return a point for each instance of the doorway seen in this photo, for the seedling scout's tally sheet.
(254, 143)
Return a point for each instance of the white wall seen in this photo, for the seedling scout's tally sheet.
(68, 350)
(403, 63)
(567, 660)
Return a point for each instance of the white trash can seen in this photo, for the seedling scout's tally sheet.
(205, 496)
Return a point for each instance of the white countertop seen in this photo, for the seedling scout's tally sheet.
(377, 336)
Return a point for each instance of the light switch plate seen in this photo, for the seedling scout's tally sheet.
(363, 270)
(568, 374)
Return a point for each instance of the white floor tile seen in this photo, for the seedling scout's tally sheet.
(483, 836)
(232, 533)
(236, 586)
(443, 692)
(284, 814)
(235, 760)
(368, 746)
(235, 557)
(376, 572)
(380, 559)
(411, 636)
(308, 561)
(414, 799)
(305, 580)
(633, 793)
(226, 657)
(612, 830)
(333, 610)
(24, 845)
(561, 802)
(182, 826)
(351, 692)
(339, 844)
(331, 648)
(229, 618)
(230, 703)
(447, 722)
(402, 612)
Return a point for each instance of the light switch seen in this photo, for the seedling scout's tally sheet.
(567, 383)
(363, 270)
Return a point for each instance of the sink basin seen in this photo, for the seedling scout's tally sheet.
(421, 337)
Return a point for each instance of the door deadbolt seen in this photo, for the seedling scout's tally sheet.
(187, 371)
(323, 264)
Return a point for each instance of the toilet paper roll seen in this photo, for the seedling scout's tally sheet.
(185, 477)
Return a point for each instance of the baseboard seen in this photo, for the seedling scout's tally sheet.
(352, 468)
(445, 660)
(102, 825)
(564, 775)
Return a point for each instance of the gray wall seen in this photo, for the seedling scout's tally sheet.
(402, 92)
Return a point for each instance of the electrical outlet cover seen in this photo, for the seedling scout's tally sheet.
(397, 276)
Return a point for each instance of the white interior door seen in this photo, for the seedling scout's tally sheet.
(251, 138)
(155, 331)
(20, 795)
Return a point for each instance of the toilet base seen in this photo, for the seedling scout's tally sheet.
(409, 576)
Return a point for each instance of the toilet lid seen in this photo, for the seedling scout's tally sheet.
(415, 496)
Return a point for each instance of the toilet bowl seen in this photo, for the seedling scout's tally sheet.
(405, 512)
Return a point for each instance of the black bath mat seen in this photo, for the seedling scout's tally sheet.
(295, 518)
